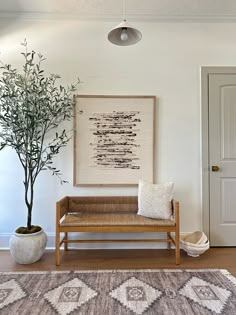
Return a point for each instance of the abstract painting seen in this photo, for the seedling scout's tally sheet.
(114, 139)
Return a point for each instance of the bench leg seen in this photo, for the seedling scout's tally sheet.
(66, 244)
(168, 243)
(177, 249)
(57, 248)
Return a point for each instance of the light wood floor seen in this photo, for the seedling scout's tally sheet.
(223, 258)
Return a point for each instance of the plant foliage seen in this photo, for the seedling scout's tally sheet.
(33, 105)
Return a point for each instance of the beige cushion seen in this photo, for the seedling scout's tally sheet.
(154, 200)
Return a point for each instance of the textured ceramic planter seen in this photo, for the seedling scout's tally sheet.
(28, 248)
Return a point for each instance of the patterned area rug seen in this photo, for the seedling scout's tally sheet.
(119, 292)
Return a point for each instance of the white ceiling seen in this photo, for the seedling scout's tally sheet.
(147, 10)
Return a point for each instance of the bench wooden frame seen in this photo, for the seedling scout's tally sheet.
(88, 204)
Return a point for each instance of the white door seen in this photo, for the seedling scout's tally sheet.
(222, 159)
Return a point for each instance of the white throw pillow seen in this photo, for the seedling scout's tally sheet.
(154, 200)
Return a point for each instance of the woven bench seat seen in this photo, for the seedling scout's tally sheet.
(110, 214)
(111, 218)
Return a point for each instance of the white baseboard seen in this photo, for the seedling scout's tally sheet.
(4, 240)
(5, 237)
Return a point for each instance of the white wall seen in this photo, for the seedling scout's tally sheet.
(166, 63)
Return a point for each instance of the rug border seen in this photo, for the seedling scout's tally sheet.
(223, 271)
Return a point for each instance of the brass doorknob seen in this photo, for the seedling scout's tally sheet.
(215, 168)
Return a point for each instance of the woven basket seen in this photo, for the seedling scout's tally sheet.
(197, 237)
(195, 243)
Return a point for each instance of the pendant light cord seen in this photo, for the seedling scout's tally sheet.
(124, 18)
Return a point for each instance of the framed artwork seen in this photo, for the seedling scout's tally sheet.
(113, 139)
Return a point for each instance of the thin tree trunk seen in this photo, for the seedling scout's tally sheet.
(29, 196)
(29, 218)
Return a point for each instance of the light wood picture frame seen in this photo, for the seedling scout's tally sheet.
(114, 139)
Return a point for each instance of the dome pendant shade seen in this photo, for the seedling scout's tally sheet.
(124, 35)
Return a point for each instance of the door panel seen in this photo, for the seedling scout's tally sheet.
(228, 197)
(222, 153)
(228, 122)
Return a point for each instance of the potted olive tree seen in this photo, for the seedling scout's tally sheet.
(32, 107)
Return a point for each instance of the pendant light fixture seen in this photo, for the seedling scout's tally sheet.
(124, 34)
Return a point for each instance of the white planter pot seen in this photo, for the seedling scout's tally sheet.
(28, 248)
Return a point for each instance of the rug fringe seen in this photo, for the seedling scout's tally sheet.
(223, 271)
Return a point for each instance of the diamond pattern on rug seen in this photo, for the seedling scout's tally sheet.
(10, 292)
(206, 294)
(70, 296)
(4, 294)
(136, 295)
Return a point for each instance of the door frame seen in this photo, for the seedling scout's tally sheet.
(205, 167)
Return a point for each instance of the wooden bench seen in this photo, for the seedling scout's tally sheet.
(110, 214)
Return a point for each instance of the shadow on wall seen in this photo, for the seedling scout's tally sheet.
(10, 13)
